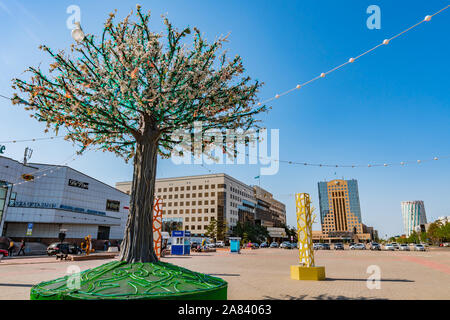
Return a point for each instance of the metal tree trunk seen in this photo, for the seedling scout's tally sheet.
(138, 240)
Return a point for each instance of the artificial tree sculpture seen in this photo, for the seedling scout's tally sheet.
(128, 90)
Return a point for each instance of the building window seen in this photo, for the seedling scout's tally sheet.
(194, 187)
(222, 186)
(199, 210)
(170, 189)
(159, 189)
(213, 186)
(188, 188)
(176, 188)
(186, 219)
(200, 187)
(165, 189)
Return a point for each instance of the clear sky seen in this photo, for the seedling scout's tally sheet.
(392, 105)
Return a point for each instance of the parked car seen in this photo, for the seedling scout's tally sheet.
(3, 253)
(294, 245)
(375, 246)
(317, 246)
(264, 245)
(389, 247)
(404, 247)
(396, 245)
(220, 244)
(285, 245)
(419, 247)
(358, 246)
(274, 245)
(63, 247)
(325, 246)
(255, 245)
(338, 246)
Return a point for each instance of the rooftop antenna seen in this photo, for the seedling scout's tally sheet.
(27, 155)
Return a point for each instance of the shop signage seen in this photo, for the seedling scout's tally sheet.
(27, 177)
(112, 205)
(30, 229)
(2, 149)
(78, 184)
(28, 204)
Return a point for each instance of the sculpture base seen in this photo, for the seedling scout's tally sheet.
(307, 273)
(131, 281)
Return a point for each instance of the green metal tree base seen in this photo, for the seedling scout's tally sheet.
(121, 280)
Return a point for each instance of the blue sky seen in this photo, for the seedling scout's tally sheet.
(392, 105)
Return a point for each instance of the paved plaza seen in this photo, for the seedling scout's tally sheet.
(265, 274)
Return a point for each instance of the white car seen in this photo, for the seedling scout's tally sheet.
(396, 246)
(404, 247)
(358, 246)
(389, 247)
(419, 247)
(220, 244)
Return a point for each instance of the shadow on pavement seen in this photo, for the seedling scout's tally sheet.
(382, 280)
(16, 285)
(224, 274)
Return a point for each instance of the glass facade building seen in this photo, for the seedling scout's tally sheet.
(413, 214)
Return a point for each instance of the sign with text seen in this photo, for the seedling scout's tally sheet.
(78, 184)
(2, 149)
(30, 229)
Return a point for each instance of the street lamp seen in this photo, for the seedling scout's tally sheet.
(77, 33)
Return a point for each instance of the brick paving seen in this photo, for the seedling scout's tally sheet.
(264, 274)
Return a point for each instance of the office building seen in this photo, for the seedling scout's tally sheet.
(196, 200)
(340, 212)
(413, 215)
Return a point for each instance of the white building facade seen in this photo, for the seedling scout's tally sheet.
(413, 214)
(37, 201)
(194, 201)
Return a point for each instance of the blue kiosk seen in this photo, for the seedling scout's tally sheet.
(181, 244)
(235, 245)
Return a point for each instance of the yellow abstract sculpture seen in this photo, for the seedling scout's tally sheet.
(87, 246)
(306, 269)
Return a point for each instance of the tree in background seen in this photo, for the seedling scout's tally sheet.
(130, 91)
(252, 232)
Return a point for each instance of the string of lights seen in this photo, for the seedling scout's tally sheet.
(45, 171)
(353, 59)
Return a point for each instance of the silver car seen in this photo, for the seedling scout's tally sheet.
(404, 247)
(419, 247)
(358, 246)
(389, 247)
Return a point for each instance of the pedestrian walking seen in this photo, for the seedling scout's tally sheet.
(11, 248)
(22, 248)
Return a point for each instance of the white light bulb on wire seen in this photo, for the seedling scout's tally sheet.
(77, 33)
(386, 41)
(427, 18)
